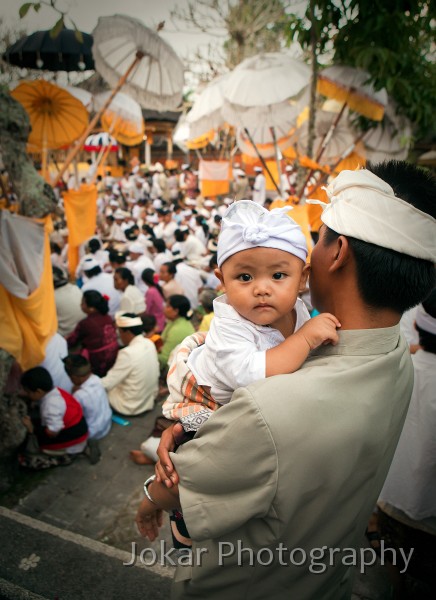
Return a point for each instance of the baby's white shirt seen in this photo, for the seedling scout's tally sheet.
(234, 354)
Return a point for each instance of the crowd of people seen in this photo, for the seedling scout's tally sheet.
(295, 400)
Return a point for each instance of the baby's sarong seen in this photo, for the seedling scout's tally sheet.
(188, 402)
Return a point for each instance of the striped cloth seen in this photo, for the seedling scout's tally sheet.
(188, 402)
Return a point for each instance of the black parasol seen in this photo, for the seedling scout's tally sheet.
(62, 53)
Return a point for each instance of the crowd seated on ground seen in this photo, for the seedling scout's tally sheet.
(144, 281)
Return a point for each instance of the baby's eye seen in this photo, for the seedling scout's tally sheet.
(279, 275)
(244, 277)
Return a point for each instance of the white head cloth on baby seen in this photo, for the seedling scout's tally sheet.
(247, 225)
(365, 207)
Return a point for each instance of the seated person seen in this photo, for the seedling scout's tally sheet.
(61, 424)
(133, 382)
(89, 391)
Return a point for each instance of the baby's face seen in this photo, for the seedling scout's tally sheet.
(262, 284)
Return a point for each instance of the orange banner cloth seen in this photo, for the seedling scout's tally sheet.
(81, 215)
(29, 323)
(214, 176)
(300, 216)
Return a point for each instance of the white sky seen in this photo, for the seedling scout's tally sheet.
(85, 14)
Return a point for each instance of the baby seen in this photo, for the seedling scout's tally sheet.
(261, 327)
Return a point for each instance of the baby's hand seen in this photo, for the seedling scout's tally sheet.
(321, 330)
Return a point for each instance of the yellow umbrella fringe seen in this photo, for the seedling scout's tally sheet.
(356, 101)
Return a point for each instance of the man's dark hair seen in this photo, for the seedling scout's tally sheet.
(76, 364)
(172, 269)
(159, 244)
(117, 257)
(387, 278)
(93, 272)
(37, 378)
(135, 329)
(94, 245)
(126, 274)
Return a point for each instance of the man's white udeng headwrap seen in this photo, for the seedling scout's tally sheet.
(247, 225)
(365, 207)
(125, 322)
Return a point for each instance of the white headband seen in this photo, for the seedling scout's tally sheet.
(247, 225)
(424, 321)
(123, 321)
(365, 207)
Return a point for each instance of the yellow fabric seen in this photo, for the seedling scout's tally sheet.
(272, 166)
(314, 211)
(124, 131)
(29, 323)
(202, 141)
(300, 216)
(81, 215)
(356, 101)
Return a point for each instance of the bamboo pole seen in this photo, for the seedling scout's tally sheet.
(76, 148)
(262, 160)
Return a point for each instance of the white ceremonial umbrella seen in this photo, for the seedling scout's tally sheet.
(338, 140)
(122, 118)
(391, 138)
(85, 97)
(127, 53)
(156, 80)
(264, 142)
(206, 111)
(262, 91)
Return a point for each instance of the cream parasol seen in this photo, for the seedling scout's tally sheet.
(122, 118)
(130, 55)
(261, 93)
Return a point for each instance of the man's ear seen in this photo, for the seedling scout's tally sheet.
(341, 253)
(303, 278)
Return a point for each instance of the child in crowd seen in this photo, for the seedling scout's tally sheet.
(60, 426)
(261, 327)
(89, 391)
(151, 330)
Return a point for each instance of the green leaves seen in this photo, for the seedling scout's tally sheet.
(24, 9)
(57, 28)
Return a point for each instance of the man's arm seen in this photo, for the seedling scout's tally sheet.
(119, 371)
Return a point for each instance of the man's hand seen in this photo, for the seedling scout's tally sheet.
(164, 469)
(320, 330)
(149, 519)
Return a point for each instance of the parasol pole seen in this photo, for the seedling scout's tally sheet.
(262, 160)
(44, 153)
(276, 152)
(324, 143)
(101, 160)
(343, 156)
(76, 148)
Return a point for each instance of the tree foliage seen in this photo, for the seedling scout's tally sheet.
(60, 24)
(247, 27)
(393, 40)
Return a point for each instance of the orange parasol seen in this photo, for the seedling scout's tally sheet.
(57, 118)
